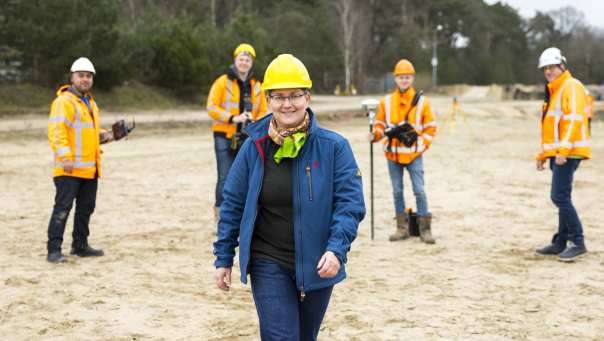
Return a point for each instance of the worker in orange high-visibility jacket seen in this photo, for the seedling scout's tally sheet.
(235, 100)
(406, 107)
(75, 136)
(589, 109)
(565, 143)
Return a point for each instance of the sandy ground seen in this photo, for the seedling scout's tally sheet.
(481, 281)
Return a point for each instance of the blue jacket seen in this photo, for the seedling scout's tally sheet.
(327, 203)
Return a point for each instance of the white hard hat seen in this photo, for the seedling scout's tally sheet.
(551, 56)
(82, 64)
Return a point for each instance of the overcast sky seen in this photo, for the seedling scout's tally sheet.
(593, 9)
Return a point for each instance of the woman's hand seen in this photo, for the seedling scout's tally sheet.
(540, 164)
(223, 278)
(560, 160)
(329, 265)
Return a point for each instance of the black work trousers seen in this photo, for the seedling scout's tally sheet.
(83, 191)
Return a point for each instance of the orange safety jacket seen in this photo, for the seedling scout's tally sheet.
(589, 106)
(73, 134)
(223, 103)
(392, 112)
(564, 128)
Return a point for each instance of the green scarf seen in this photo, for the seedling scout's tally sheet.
(290, 140)
(290, 147)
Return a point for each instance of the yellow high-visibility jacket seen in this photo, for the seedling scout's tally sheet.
(392, 112)
(73, 133)
(223, 103)
(564, 128)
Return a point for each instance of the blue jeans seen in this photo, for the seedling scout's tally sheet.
(69, 188)
(224, 160)
(416, 172)
(281, 314)
(569, 225)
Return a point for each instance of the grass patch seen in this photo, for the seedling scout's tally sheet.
(27, 99)
(24, 99)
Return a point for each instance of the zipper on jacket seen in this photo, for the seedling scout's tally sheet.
(302, 294)
(309, 178)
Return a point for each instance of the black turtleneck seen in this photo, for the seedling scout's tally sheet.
(273, 236)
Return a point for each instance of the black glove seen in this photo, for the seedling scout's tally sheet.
(391, 132)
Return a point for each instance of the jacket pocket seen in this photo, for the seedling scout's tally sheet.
(309, 181)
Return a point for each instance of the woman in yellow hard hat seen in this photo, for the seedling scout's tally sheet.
(405, 118)
(293, 201)
(235, 99)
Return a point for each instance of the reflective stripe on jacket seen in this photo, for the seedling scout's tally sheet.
(223, 102)
(564, 128)
(73, 134)
(392, 112)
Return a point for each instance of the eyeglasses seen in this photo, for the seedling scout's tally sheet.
(551, 67)
(294, 99)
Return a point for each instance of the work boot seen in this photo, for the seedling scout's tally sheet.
(572, 252)
(402, 228)
(86, 251)
(56, 257)
(550, 250)
(425, 232)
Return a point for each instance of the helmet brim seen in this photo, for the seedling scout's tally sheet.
(287, 85)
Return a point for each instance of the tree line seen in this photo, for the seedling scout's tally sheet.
(184, 45)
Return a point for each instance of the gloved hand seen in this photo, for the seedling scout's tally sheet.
(392, 132)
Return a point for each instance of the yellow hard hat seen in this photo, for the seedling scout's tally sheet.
(404, 67)
(245, 48)
(286, 72)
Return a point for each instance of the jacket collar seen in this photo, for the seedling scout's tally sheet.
(259, 129)
(557, 83)
(232, 74)
(70, 91)
(407, 96)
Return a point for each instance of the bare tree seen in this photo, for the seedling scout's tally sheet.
(132, 11)
(346, 16)
(567, 19)
(213, 12)
(354, 19)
